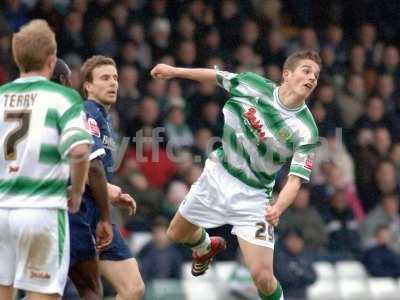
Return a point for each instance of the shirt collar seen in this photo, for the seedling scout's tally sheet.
(29, 79)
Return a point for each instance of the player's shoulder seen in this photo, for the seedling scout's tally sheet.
(72, 96)
(257, 81)
(307, 119)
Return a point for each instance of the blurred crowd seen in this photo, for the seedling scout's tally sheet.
(350, 209)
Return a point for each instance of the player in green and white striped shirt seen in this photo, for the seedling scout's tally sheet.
(265, 127)
(42, 127)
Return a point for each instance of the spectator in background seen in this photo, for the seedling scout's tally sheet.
(334, 150)
(16, 14)
(177, 131)
(71, 38)
(104, 40)
(352, 100)
(175, 194)
(380, 260)
(135, 33)
(387, 214)
(150, 159)
(129, 95)
(160, 259)
(293, 265)
(342, 227)
(301, 215)
(373, 48)
(385, 89)
(357, 62)
(391, 63)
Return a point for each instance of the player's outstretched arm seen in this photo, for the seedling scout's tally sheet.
(79, 162)
(163, 71)
(285, 199)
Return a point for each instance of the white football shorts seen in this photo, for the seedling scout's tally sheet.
(217, 198)
(34, 249)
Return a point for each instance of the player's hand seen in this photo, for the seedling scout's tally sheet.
(272, 214)
(74, 200)
(126, 201)
(163, 71)
(104, 235)
(114, 192)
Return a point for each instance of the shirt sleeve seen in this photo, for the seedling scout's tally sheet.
(302, 162)
(72, 124)
(246, 84)
(93, 127)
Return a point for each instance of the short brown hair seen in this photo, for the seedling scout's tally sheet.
(32, 45)
(86, 72)
(292, 61)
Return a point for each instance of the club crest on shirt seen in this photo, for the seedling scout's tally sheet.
(92, 127)
(284, 134)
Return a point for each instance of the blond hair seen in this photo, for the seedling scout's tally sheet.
(86, 72)
(293, 60)
(32, 45)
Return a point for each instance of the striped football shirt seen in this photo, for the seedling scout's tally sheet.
(40, 122)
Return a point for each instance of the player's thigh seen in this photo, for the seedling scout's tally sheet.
(180, 227)
(7, 292)
(39, 296)
(123, 275)
(257, 258)
(42, 250)
(205, 204)
(85, 275)
(7, 251)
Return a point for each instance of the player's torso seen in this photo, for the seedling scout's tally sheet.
(262, 132)
(104, 132)
(30, 164)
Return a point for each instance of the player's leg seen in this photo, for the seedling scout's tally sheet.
(85, 275)
(42, 252)
(39, 296)
(203, 207)
(84, 270)
(7, 292)
(125, 278)
(121, 269)
(259, 261)
(7, 257)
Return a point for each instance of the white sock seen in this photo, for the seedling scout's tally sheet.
(203, 246)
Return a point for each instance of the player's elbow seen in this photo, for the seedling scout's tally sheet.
(79, 152)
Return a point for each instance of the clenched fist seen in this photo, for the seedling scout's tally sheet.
(163, 71)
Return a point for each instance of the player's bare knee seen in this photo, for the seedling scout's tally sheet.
(133, 292)
(263, 277)
(173, 234)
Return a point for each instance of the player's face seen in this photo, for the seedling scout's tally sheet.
(303, 80)
(104, 85)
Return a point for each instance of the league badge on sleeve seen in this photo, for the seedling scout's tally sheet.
(92, 127)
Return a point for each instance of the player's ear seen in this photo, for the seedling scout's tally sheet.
(285, 75)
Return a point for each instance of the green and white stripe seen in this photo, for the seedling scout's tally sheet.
(38, 176)
(254, 155)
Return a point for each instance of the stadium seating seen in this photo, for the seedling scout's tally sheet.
(384, 289)
(350, 270)
(353, 289)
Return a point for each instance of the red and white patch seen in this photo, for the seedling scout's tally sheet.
(309, 163)
(92, 127)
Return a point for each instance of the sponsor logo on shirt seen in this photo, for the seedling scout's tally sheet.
(250, 116)
(92, 127)
(40, 274)
(309, 163)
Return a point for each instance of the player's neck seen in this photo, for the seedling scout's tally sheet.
(43, 73)
(289, 99)
(106, 106)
